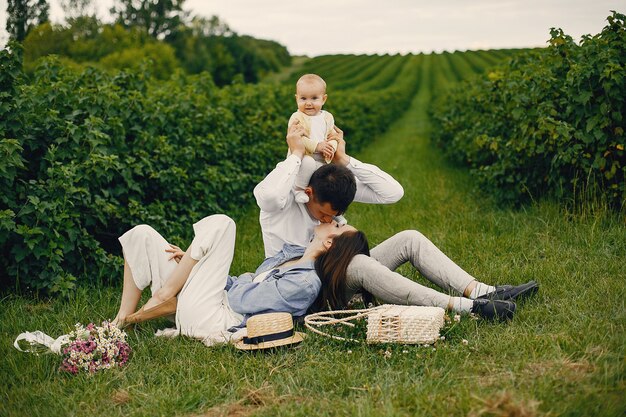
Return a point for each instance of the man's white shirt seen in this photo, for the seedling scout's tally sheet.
(285, 221)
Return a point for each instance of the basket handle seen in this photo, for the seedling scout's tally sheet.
(322, 319)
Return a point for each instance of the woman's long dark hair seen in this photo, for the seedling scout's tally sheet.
(331, 267)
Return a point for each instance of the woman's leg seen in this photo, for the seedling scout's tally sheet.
(174, 283)
(199, 279)
(130, 297)
(146, 263)
(202, 303)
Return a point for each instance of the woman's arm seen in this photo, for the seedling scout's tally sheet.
(291, 291)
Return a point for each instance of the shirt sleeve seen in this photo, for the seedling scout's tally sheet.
(274, 192)
(292, 291)
(374, 185)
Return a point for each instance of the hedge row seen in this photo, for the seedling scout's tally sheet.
(550, 122)
(86, 155)
(89, 154)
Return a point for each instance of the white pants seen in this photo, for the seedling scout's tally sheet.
(203, 309)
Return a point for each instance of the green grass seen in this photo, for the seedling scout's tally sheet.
(563, 354)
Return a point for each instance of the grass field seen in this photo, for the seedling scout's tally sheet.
(563, 354)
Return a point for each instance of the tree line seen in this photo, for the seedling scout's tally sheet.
(160, 32)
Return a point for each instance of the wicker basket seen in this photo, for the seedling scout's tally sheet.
(387, 323)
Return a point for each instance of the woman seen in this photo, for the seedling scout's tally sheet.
(195, 285)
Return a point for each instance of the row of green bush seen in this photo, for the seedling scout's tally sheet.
(88, 154)
(549, 122)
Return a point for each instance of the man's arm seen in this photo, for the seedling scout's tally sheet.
(273, 193)
(373, 184)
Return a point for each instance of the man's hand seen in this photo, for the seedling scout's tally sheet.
(340, 158)
(294, 139)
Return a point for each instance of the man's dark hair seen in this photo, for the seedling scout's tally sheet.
(334, 184)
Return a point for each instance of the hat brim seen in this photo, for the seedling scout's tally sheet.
(296, 338)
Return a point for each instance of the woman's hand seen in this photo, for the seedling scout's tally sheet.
(340, 157)
(177, 253)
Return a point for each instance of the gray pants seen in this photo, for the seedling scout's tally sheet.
(376, 273)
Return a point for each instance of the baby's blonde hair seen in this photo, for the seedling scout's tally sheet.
(311, 78)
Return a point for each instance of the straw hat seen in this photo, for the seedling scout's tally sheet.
(269, 330)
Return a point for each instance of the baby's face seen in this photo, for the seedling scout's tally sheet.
(310, 97)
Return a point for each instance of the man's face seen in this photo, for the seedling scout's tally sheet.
(319, 211)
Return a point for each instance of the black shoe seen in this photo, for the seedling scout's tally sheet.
(494, 309)
(512, 292)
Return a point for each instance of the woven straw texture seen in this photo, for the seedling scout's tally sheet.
(387, 323)
(404, 324)
(269, 323)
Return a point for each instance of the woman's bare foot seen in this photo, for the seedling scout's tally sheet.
(119, 322)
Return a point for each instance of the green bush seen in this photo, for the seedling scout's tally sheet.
(87, 155)
(550, 122)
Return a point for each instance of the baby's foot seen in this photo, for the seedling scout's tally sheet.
(301, 197)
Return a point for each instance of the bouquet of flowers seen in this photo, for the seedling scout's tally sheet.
(93, 348)
(88, 349)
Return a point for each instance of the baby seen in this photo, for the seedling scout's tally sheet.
(317, 124)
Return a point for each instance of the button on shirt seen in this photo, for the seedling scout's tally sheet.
(285, 289)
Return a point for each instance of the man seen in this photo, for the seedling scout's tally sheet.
(330, 191)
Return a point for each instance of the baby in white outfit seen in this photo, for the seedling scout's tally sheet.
(317, 124)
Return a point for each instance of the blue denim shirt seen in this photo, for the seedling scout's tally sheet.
(290, 289)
